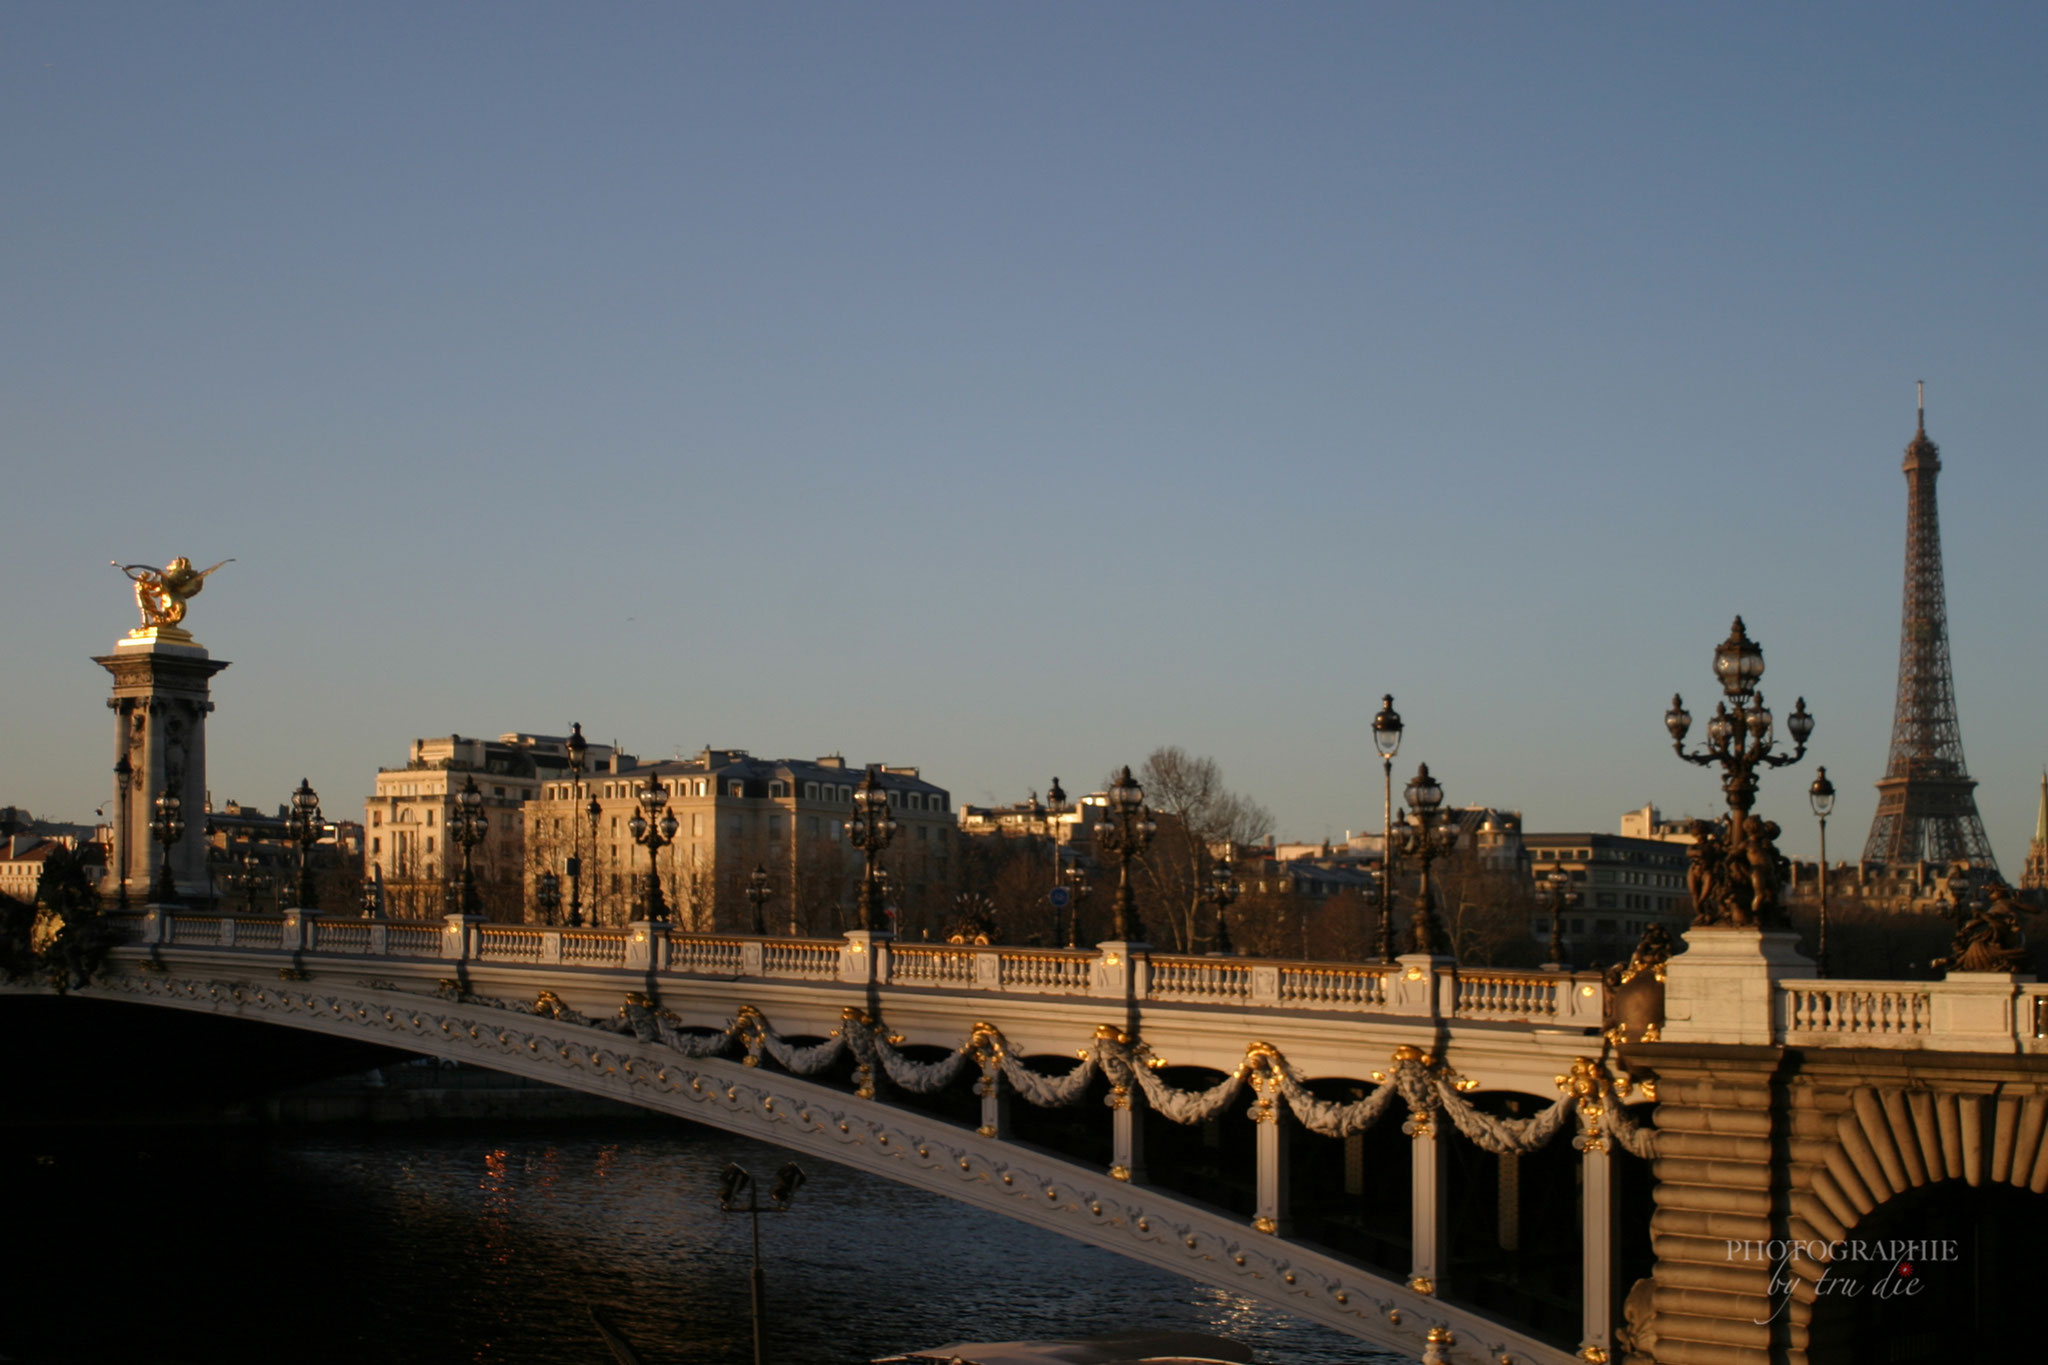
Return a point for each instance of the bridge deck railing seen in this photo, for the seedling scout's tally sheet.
(1422, 986)
(1966, 1012)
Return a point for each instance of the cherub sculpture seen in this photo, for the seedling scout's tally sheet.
(161, 594)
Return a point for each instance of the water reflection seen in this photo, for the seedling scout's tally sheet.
(423, 1246)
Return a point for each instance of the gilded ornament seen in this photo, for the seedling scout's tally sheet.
(161, 595)
(1593, 1355)
(1269, 1227)
(1115, 1172)
(1422, 1284)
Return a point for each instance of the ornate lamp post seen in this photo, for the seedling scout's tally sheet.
(467, 826)
(247, 878)
(1123, 836)
(302, 824)
(1821, 795)
(870, 830)
(594, 812)
(1221, 891)
(734, 1182)
(1426, 841)
(373, 900)
(167, 826)
(124, 782)
(757, 893)
(1055, 807)
(1735, 876)
(1558, 893)
(547, 892)
(579, 750)
(1386, 737)
(653, 825)
(1079, 889)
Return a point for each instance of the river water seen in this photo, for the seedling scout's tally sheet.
(487, 1245)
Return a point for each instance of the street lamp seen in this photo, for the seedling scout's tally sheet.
(736, 1181)
(1124, 835)
(653, 825)
(870, 830)
(1741, 739)
(1055, 807)
(595, 812)
(1427, 841)
(167, 826)
(1821, 795)
(373, 899)
(466, 826)
(302, 824)
(247, 877)
(1079, 889)
(1220, 892)
(758, 892)
(547, 890)
(578, 749)
(1559, 894)
(1386, 737)
(124, 781)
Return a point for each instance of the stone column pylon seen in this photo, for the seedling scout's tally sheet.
(160, 703)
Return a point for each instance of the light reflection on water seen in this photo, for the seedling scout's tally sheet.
(417, 1245)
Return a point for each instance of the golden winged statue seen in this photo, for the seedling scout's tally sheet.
(161, 594)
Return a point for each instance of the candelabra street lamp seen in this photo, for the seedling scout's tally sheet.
(467, 826)
(373, 900)
(302, 824)
(758, 893)
(870, 830)
(653, 825)
(1221, 891)
(1123, 836)
(1055, 807)
(1426, 841)
(1558, 894)
(1078, 889)
(1386, 737)
(578, 749)
(1821, 796)
(1735, 877)
(547, 892)
(734, 1182)
(247, 877)
(167, 826)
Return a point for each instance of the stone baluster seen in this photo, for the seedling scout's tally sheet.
(1596, 1242)
(1127, 1133)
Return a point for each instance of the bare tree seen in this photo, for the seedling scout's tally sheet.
(1199, 815)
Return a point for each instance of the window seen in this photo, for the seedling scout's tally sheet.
(430, 817)
(775, 790)
(810, 792)
(376, 817)
(736, 788)
(376, 845)
(430, 843)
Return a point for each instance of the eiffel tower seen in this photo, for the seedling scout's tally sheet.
(1925, 807)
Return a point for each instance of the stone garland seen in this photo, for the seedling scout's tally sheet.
(1419, 1079)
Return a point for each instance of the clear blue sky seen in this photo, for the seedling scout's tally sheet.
(1013, 389)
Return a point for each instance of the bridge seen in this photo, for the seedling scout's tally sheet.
(1458, 1164)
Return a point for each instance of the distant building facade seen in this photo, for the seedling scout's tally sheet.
(1620, 886)
(735, 812)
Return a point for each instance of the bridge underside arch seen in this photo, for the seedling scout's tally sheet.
(1915, 1237)
(908, 1145)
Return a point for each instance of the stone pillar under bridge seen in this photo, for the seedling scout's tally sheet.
(160, 705)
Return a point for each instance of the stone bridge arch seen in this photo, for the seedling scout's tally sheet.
(891, 1141)
(1773, 1161)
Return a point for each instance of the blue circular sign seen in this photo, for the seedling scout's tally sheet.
(1059, 896)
